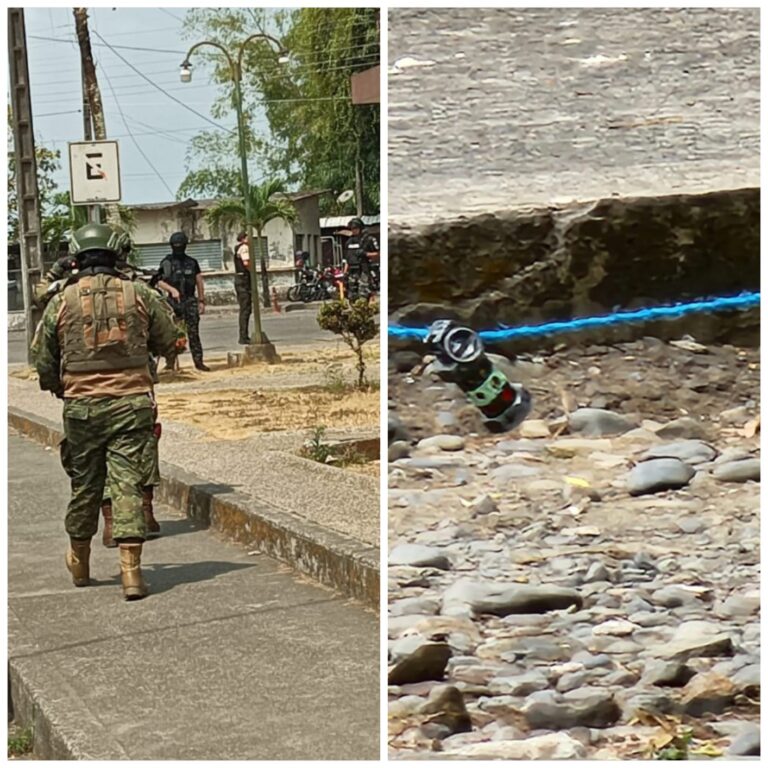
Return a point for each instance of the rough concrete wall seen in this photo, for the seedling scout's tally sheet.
(558, 263)
(539, 106)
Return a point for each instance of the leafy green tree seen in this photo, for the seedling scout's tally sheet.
(316, 135)
(47, 166)
(62, 218)
(267, 202)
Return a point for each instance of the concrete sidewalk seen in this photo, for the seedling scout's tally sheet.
(343, 502)
(230, 657)
(322, 521)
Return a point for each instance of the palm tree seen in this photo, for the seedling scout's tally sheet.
(267, 201)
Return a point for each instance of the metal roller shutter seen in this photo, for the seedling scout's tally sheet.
(207, 252)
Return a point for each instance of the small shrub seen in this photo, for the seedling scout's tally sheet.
(315, 449)
(335, 381)
(325, 453)
(355, 322)
(20, 742)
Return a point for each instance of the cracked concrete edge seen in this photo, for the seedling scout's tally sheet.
(51, 739)
(345, 564)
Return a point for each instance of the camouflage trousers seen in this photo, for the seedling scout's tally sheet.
(150, 468)
(107, 437)
(190, 314)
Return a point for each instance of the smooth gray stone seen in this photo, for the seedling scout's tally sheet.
(658, 475)
(591, 708)
(443, 442)
(673, 674)
(398, 450)
(508, 473)
(526, 599)
(738, 471)
(427, 662)
(519, 685)
(597, 422)
(689, 451)
(684, 428)
(415, 605)
(746, 743)
(419, 556)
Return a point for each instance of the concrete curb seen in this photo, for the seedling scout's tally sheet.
(340, 562)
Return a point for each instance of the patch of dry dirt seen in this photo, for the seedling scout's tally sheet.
(235, 414)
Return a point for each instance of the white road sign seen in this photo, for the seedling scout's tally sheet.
(94, 172)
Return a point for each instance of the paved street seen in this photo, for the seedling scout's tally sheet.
(231, 656)
(219, 332)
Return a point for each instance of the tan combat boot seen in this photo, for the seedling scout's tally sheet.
(106, 536)
(147, 495)
(77, 557)
(134, 587)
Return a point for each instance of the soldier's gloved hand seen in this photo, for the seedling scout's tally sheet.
(61, 267)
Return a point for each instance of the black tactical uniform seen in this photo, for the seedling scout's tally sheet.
(356, 251)
(243, 289)
(181, 271)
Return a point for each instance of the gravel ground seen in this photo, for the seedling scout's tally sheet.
(588, 586)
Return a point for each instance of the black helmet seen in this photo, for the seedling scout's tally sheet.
(178, 240)
(355, 224)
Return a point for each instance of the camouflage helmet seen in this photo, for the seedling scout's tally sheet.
(124, 245)
(95, 237)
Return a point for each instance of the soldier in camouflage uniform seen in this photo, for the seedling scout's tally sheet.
(183, 273)
(150, 461)
(54, 281)
(92, 349)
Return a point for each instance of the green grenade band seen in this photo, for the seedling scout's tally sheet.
(489, 390)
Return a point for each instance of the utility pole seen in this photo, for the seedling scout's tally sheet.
(95, 127)
(365, 90)
(30, 235)
(94, 211)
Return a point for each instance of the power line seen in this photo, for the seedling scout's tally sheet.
(130, 89)
(172, 15)
(133, 138)
(53, 114)
(162, 90)
(105, 44)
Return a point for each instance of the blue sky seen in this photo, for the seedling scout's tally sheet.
(162, 127)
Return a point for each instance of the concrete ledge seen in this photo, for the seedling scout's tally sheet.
(559, 262)
(340, 562)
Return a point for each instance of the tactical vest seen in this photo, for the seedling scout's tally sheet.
(240, 267)
(180, 272)
(103, 330)
(353, 252)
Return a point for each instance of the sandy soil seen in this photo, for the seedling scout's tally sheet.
(234, 414)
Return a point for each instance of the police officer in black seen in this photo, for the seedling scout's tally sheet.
(183, 273)
(360, 249)
(243, 285)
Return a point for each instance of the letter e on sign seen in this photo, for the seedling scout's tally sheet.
(94, 172)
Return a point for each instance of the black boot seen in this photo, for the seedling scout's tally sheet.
(201, 366)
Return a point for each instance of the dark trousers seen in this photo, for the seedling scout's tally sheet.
(190, 314)
(244, 299)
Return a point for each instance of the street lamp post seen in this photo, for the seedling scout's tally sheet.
(259, 348)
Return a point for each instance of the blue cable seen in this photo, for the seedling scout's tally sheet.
(742, 301)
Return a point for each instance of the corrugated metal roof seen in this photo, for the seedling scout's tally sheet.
(207, 252)
(341, 221)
